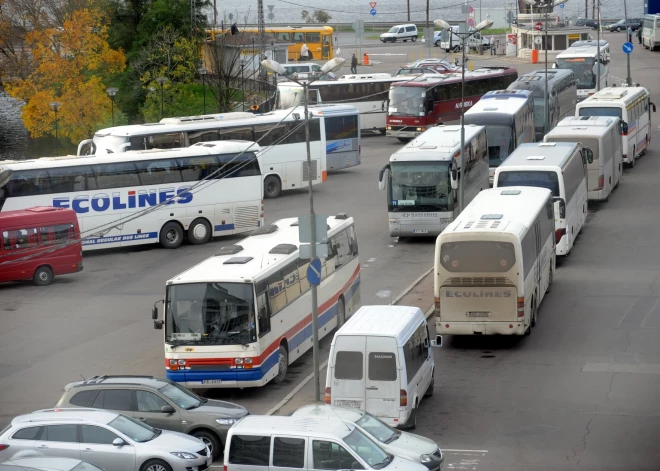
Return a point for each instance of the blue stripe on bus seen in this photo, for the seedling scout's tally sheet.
(119, 238)
(223, 227)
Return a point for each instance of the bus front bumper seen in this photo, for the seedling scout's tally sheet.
(407, 134)
(480, 328)
(237, 378)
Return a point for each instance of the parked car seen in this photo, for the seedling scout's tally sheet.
(47, 464)
(111, 441)
(439, 65)
(437, 36)
(406, 445)
(400, 32)
(622, 25)
(586, 22)
(159, 403)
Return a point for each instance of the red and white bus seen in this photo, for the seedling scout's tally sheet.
(417, 104)
(38, 243)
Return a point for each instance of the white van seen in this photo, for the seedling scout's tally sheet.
(453, 42)
(260, 443)
(603, 136)
(402, 32)
(381, 362)
(561, 167)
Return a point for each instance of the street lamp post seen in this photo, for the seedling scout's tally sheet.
(161, 81)
(464, 37)
(330, 66)
(55, 106)
(112, 91)
(202, 72)
(242, 86)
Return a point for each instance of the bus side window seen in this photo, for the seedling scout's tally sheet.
(352, 241)
(302, 275)
(298, 37)
(276, 293)
(20, 238)
(291, 282)
(263, 313)
(342, 248)
(172, 140)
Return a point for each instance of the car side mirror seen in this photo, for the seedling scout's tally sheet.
(118, 442)
(437, 342)
(167, 409)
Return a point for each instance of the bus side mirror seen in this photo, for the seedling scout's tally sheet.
(154, 313)
(653, 106)
(562, 207)
(158, 324)
(590, 155)
(381, 177)
(624, 128)
(454, 178)
(437, 342)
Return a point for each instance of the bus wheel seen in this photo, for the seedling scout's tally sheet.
(199, 232)
(551, 278)
(282, 364)
(43, 276)
(644, 151)
(171, 235)
(272, 186)
(341, 312)
(534, 314)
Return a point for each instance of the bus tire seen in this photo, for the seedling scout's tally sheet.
(272, 186)
(551, 278)
(341, 312)
(171, 235)
(43, 276)
(199, 231)
(535, 311)
(282, 365)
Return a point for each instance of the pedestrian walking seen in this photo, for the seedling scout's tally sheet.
(492, 46)
(304, 52)
(354, 63)
(639, 34)
(629, 34)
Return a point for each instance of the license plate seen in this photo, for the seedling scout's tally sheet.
(353, 404)
(420, 231)
(400, 134)
(211, 381)
(478, 314)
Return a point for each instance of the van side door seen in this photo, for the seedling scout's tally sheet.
(327, 455)
(289, 453)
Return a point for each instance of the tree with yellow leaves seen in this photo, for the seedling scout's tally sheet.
(70, 63)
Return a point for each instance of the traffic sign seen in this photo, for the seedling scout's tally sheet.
(372, 5)
(373, 12)
(271, 16)
(231, 16)
(270, 7)
(471, 22)
(627, 48)
(561, 5)
(314, 272)
(538, 26)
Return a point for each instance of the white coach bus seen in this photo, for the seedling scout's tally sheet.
(582, 58)
(632, 105)
(651, 31)
(244, 314)
(495, 263)
(603, 137)
(561, 167)
(422, 179)
(142, 197)
(280, 134)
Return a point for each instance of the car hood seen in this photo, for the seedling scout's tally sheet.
(404, 464)
(414, 444)
(175, 441)
(388, 35)
(221, 409)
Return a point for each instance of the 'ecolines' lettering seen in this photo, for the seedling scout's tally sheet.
(101, 202)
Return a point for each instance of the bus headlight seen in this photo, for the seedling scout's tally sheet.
(395, 221)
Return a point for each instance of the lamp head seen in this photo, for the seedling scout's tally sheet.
(273, 66)
(55, 106)
(484, 25)
(112, 91)
(333, 64)
(202, 71)
(442, 24)
(161, 80)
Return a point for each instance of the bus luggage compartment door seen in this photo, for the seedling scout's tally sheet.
(478, 304)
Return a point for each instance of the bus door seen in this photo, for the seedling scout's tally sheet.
(326, 46)
(540, 261)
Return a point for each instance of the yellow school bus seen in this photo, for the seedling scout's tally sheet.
(319, 39)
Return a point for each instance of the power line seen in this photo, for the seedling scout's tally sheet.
(380, 13)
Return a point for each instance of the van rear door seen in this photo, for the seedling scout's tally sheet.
(383, 377)
(348, 379)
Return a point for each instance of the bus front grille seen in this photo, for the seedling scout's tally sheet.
(315, 171)
(246, 216)
(478, 281)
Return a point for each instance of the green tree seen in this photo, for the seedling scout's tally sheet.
(319, 16)
(178, 100)
(169, 54)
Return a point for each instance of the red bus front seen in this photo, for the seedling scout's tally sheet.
(38, 243)
(414, 106)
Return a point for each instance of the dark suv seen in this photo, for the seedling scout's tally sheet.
(158, 402)
(587, 22)
(622, 25)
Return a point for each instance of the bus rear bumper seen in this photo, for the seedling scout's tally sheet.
(480, 328)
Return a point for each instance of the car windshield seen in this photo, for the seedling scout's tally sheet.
(393, 29)
(180, 396)
(377, 429)
(420, 186)
(367, 450)
(406, 101)
(210, 313)
(133, 429)
(583, 68)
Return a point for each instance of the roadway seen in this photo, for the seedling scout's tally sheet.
(580, 392)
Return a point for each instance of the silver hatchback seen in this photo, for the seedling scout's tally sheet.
(105, 439)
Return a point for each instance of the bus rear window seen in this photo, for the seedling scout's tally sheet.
(539, 179)
(477, 256)
(600, 111)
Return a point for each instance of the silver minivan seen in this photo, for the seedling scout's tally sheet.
(400, 32)
(257, 443)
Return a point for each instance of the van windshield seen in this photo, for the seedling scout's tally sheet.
(393, 29)
(367, 450)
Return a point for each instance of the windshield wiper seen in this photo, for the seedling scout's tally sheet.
(394, 436)
(384, 463)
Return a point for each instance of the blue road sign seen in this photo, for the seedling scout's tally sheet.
(561, 5)
(373, 12)
(627, 48)
(314, 272)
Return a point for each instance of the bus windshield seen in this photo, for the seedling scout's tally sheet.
(499, 144)
(477, 256)
(213, 313)
(406, 101)
(601, 111)
(538, 178)
(420, 186)
(289, 97)
(584, 68)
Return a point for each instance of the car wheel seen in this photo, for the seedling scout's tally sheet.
(437, 43)
(171, 235)
(341, 312)
(43, 276)
(156, 465)
(211, 440)
(405, 40)
(414, 38)
(199, 232)
(283, 365)
(272, 186)
(618, 29)
(412, 422)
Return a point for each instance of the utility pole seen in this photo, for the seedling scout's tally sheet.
(408, 10)
(598, 47)
(546, 107)
(428, 39)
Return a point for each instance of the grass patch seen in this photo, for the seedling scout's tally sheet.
(486, 32)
